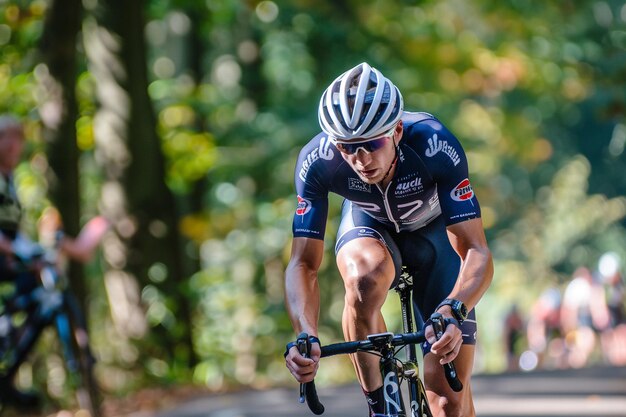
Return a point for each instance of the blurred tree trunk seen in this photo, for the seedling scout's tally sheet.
(194, 202)
(197, 15)
(146, 248)
(59, 113)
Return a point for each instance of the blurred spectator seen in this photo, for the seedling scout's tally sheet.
(583, 314)
(25, 278)
(543, 331)
(613, 337)
(513, 333)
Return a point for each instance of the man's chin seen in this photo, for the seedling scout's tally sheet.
(369, 180)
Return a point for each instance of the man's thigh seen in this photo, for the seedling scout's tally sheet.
(366, 265)
(359, 233)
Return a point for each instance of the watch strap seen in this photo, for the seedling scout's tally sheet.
(455, 306)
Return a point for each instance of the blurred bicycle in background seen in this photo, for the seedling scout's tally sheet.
(51, 303)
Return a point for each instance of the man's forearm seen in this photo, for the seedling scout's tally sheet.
(474, 278)
(303, 299)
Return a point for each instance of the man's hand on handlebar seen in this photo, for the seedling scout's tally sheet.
(448, 343)
(303, 369)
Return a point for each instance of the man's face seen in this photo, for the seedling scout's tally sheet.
(372, 166)
(11, 146)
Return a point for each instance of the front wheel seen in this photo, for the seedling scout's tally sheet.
(79, 363)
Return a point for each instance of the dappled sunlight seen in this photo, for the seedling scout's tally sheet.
(126, 310)
(476, 122)
(267, 11)
(618, 140)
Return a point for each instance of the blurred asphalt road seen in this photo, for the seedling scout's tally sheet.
(590, 392)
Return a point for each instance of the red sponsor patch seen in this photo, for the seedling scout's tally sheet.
(463, 191)
(304, 206)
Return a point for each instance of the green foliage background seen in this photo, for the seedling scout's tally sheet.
(534, 90)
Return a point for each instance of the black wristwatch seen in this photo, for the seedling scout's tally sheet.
(459, 309)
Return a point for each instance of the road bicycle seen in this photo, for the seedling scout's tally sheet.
(394, 370)
(51, 303)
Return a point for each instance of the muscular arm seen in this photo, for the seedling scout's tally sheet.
(83, 247)
(301, 285)
(468, 240)
(303, 302)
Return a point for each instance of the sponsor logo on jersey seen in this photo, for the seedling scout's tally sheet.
(409, 187)
(368, 206)
(323, 151)
(433, 201)
(435, 146)
(368, 232)
(468, 215)
(412, 207)
(463, 191)
(304, 206)
(356, 184)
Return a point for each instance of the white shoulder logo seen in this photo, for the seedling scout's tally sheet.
(323, 151)
(435, 146)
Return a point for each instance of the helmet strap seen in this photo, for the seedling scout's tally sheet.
(392, 162)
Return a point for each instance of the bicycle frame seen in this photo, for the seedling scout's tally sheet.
(417, 392)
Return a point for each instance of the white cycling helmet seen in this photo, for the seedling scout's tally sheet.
(360, 104)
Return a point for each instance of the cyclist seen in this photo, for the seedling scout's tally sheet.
(408, 201)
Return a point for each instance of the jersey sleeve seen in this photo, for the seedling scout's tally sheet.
(445, 159)
(311, 213)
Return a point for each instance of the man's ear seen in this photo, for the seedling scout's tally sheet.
(400, 130)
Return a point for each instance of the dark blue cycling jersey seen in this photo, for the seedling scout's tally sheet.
(431, 178)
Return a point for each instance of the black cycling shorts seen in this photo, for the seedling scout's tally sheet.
(426, 252)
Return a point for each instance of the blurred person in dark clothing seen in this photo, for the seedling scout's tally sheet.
(513, 337)
(11, 147)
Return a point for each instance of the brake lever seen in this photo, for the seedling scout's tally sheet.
(304, 347)
(439, 326)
